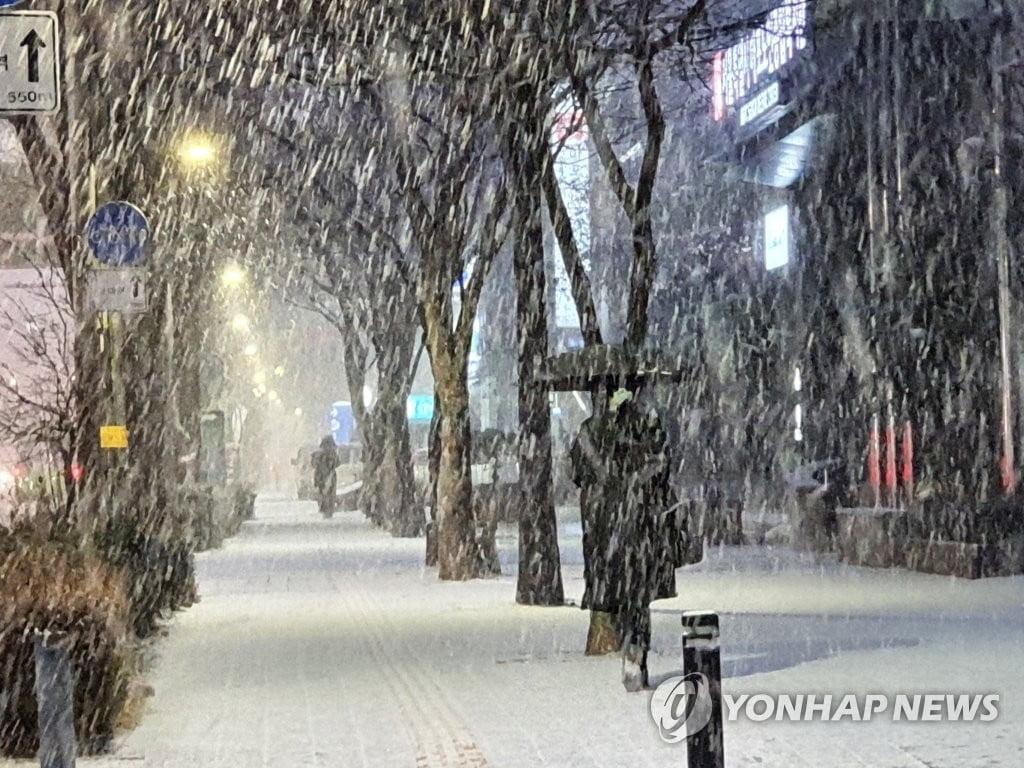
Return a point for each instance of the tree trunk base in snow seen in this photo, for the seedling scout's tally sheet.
(603, 635)
(487, 551)
(431, 556)
(407, 529)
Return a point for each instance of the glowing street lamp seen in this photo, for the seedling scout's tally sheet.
(250, 350)
(233, 275)
(240, 322)
(197, 151)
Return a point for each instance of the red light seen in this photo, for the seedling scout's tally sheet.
(570, 121)
(18, 472)
(718, 87)
(77, 472)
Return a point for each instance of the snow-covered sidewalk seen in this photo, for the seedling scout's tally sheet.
(327, 643)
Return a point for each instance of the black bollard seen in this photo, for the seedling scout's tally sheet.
(705, 748)
(55, 694)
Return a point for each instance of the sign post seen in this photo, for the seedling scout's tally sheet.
(118, 235)
(29, 62)
(55, 701)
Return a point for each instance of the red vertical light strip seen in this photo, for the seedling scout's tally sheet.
(908, 455)
(908, 460)
(890, 454)
(718, 86)
(874, 459)
(1009, 475)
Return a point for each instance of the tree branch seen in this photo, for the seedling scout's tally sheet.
(579, 281)
(605, 151)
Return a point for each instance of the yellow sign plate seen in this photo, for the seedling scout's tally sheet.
(114, 437)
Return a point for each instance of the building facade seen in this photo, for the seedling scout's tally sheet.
(880, 142)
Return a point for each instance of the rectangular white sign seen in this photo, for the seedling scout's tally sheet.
(117, 290)
(776, 238)
(761, 103)
(29, 63)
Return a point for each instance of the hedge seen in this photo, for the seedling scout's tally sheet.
(47, 585)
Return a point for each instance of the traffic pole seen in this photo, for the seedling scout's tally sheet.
(55, 699)
(705, 748)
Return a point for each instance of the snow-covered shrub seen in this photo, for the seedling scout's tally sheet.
(48, 585)
(154, 550)
(217, 515)
(201, 506)
(245, 504)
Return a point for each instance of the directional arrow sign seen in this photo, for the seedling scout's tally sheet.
(29, 63)
(117, 290)
(32, 43)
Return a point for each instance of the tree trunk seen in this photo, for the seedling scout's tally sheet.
(373, 438)
(395, 483)
(456, 531)
(540, 574)
(433, 470)
(644, 255)
(355, 354)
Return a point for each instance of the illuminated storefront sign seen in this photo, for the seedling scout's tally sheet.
(776, 238)
(419, 407)
(761, 103)
(738, 70)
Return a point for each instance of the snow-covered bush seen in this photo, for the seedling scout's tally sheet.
(217, 515)
(201, 505)
(48, 585)
(154, 551)
(245, 504)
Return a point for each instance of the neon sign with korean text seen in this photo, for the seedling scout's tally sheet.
(740, 69)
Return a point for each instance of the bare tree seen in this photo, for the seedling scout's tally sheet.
(37, 395)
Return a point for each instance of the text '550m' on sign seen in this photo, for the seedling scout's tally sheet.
(29, 63)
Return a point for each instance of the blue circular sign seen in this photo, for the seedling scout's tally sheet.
(6, 3)
(118, 234)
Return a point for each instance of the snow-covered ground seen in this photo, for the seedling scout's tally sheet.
(327, 643)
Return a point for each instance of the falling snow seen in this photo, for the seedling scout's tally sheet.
(380, 382)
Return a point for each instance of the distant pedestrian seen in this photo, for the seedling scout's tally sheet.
(325, 478)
